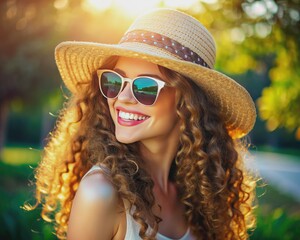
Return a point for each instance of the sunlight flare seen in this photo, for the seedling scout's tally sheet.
(136, 7)
(97, 5)
(180, 3)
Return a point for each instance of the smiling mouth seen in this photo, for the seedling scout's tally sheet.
(127, 116)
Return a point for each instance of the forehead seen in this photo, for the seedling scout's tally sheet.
(133, 67)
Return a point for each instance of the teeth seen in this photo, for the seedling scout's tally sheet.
(131, 116)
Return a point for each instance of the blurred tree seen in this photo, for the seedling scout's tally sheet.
(27, 73)
(262, 30)
(29, 33)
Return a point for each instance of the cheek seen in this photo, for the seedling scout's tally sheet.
(167, 107)
(111, 103)
(167, 111)
(169, 101)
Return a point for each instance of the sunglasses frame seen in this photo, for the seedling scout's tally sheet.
(159, 82)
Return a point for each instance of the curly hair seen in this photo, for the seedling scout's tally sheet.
(216, 190)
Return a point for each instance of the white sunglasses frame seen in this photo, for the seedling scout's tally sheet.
(159, 82)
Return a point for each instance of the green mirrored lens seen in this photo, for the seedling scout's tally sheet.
(145, 90)
(110, 84)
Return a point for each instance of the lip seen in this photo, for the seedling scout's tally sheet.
(129, 123)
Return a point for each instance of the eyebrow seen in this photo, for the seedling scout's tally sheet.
(121, 72)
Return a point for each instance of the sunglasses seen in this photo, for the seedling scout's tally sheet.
(144, 89)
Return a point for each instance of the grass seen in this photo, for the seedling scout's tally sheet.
(16, 172)
(15, 191)
(20, 155)
(269, 198)
(278, 215)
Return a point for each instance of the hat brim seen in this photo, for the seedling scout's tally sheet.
(77, 61)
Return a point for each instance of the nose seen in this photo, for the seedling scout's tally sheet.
(126, 95)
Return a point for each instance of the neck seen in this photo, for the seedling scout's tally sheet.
(158, 155)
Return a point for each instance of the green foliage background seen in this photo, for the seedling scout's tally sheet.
(257, 44)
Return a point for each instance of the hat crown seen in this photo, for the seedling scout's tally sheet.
(182, 28)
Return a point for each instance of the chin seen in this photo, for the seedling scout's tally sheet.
(125, 140)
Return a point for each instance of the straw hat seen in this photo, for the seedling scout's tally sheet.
(173, 40)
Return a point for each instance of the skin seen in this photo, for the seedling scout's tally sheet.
(158, 137)
(93, 214)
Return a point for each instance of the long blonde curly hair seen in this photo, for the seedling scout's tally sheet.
(213, 185)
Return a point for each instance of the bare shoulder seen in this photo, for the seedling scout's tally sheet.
(95, 188)
(95, 209)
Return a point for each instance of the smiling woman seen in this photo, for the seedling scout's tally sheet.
(148, 145)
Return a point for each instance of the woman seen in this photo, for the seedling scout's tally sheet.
(148, 145)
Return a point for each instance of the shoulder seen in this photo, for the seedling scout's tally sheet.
(94, 187)
(95, 209)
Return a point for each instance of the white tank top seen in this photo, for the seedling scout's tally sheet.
(132, 228)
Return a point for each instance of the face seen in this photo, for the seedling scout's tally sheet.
(156, 122)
